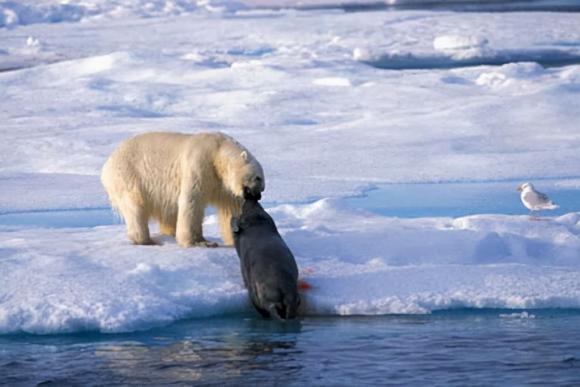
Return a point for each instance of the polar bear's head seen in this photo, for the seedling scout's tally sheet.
(240, 171)
(248, 177)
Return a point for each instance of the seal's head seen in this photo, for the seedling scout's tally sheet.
(252, 213)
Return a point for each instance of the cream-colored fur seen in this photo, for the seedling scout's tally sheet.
(173, 177)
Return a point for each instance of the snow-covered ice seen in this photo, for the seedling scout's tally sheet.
(313, 95)
(322, 123)
(62, 280)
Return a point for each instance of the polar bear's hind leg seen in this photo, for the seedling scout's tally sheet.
(136, 217)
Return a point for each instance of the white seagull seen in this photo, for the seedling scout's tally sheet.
(534, 200)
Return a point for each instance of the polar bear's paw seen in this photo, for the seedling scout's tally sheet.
(142, 241)
(198, 243)
(205, 243)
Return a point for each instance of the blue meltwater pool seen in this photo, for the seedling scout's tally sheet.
(461, 199)
(400, 200)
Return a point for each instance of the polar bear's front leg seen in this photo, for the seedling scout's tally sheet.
(225, 217)
(190, 214)
(225, 213)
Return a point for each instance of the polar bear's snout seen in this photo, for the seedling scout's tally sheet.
(254, 187)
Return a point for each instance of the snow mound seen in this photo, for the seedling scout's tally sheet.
(76, 279)
(333, 81)
(458, 42)
(510, 73)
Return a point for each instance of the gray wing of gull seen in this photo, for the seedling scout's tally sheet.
(544, 197)
(536, 198)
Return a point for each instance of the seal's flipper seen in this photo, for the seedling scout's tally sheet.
(274, 312)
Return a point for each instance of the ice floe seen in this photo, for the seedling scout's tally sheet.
(64, 280)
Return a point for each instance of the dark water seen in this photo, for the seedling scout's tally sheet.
(459, 348)
(451, 5)
(544, 57)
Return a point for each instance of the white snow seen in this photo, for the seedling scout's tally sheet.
(458, 42)
(339, 82)
(305, 92)
(63, 280)
(264, 88)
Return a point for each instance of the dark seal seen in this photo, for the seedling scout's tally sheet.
(268, 266)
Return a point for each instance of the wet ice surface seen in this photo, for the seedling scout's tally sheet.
(450, 348)
(61, 218)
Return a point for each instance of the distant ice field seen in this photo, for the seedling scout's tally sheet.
(301, 90)
(25, 12)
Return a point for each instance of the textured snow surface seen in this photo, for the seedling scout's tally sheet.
(63, 280)
(294, 88)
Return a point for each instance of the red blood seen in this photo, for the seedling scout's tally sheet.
(303, 285)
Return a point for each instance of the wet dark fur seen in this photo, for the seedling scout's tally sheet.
(268, 266)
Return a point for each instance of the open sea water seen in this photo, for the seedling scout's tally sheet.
(462, 348)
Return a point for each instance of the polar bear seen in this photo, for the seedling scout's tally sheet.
(173, 177)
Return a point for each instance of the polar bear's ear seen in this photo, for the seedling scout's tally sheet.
(244, 155)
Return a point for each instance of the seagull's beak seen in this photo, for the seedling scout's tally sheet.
(519, 189)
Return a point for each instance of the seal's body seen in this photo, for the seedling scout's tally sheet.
(268, 266)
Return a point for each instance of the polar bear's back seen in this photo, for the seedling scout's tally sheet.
(149, 167)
